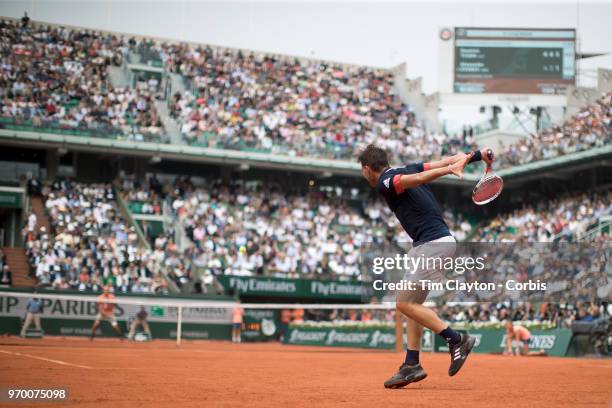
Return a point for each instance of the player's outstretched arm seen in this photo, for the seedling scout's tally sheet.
(478, 155)
(413, 180)
(444, 162)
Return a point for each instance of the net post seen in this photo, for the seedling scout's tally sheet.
(399, 331)
(179, 325)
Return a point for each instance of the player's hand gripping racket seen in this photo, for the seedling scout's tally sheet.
(489, 186)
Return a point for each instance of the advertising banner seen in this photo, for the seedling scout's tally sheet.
(292, 288)
(74, 317)
(553, 342)
(366, 337)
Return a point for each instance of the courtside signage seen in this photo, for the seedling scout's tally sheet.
(71, 309)
(300, 288)
(382, 338)
(554, 342)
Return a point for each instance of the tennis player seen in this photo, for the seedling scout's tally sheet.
(411, 200)
(106, 307)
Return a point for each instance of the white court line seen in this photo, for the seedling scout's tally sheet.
(45, 359)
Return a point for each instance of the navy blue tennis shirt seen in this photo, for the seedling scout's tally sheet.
(416, 208)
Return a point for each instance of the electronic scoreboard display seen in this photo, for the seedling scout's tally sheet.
(510, 60)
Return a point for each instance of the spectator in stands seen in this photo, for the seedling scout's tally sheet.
(6, 278)
(34, 187)
(25, 20)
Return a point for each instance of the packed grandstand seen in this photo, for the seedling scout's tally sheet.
(57, 79)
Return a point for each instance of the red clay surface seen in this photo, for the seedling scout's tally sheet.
(221, 374)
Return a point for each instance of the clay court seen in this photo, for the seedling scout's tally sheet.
(109, 373)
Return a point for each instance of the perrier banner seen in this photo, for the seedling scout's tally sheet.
(292, 288)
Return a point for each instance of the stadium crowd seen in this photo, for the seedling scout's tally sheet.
(252, 229)
(248, 229)
(556, 314)
(59, 77)
(559, 314)
(590, 128)
(256, 230)
(241, 228)
(90, 244)
(244, 100)
(54, 77)
(247, 100)
(565, 217)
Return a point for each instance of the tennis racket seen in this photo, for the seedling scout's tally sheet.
(489, 186)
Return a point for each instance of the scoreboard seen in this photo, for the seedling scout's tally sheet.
(519, 61)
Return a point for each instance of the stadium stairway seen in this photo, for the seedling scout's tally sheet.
(119, 76)
(20, 269)
(38, 208)
(172, 128)
(177, 84)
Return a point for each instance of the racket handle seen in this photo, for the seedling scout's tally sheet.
(490, 154)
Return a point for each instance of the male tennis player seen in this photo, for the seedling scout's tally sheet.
(408, 196)
(106, 307)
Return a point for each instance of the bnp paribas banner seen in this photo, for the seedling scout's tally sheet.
(366, 337)
(72, 317)
(292, 288)
(553, 342)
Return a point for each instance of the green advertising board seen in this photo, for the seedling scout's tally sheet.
(366, 337)
(554, 342)
(293, 288)
(377, 336)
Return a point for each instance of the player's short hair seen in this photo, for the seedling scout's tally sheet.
(373, 157)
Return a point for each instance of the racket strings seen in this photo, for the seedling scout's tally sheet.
(487, 189)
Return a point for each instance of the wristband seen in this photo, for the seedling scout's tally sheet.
(476, 157)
